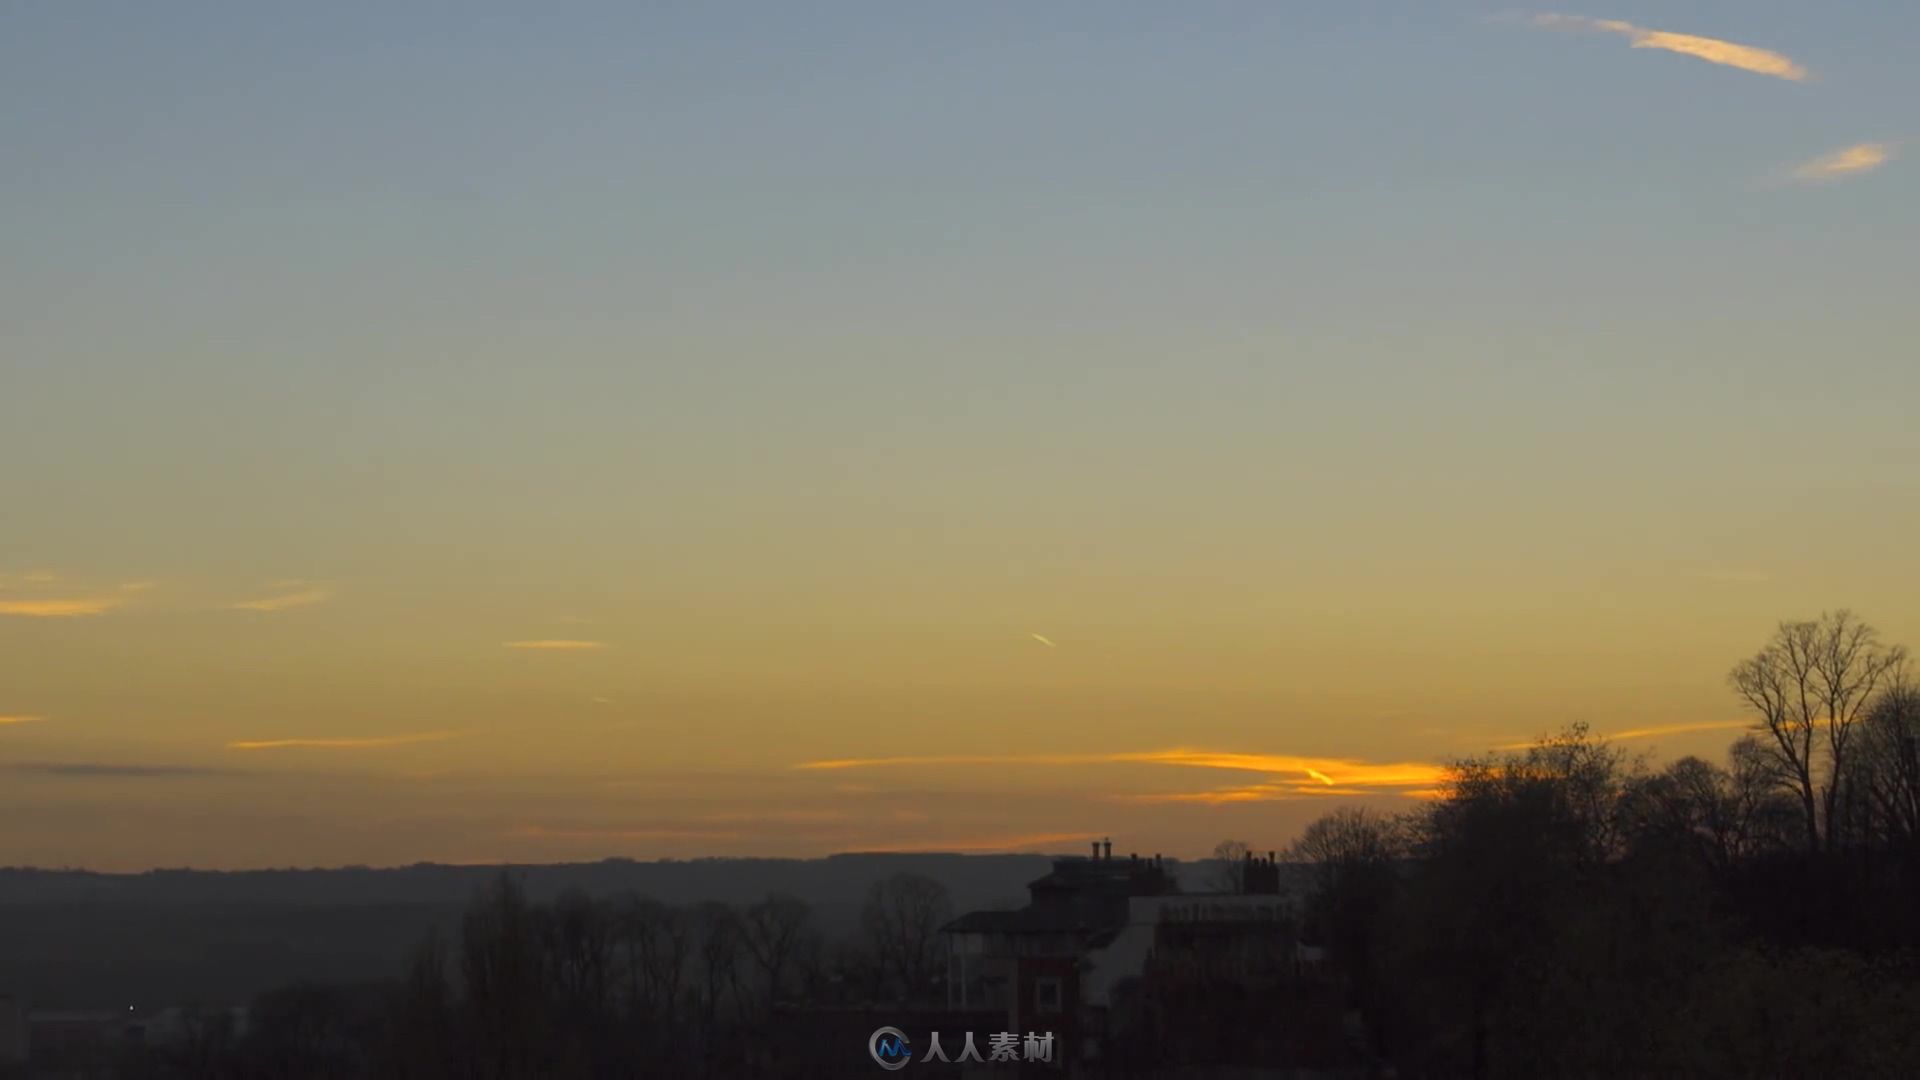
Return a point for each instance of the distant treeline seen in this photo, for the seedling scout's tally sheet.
(82, 940)
(582, 987)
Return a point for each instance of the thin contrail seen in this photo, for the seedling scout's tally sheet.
(1044, 640)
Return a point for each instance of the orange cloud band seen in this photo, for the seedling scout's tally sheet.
(63, 608)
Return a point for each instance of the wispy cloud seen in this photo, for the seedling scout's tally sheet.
(1851, 161)
(957, 759)
(109, 769)
(376, 742)
(1712, 50)
(1315, 775)
(1680, 729)
(139, 586)
(71, 607)
(555, 645)
(283, 601)
(1329, 772)
(1251, 793)
(6, 721)
(1649, 732)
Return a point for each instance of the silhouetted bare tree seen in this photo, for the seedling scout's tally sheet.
(718, 928)
(1812, 676)
(655, 944)
(1350, 836)
(774, 932)
(578, 939)
(501, 969)
(902, 918)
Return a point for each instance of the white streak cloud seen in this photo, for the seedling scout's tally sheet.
(1712, 50)
(1856, 159)
(1648, 732)
(1313, 774)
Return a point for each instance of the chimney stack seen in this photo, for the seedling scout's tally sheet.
(1270, 859)
(1096, 851)
(1108, 854)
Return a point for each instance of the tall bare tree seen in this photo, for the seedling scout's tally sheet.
(902, 917)
(774, 931)
(656, 941)
(577, 937)
(719, 931)
(1816, 676)
(501, 967)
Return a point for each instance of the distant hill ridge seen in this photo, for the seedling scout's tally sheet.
(972, 880)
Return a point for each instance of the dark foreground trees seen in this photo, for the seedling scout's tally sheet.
(1566, 911)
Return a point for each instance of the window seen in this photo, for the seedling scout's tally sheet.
(1046, 994)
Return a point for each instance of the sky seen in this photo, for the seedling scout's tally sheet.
(489, 432)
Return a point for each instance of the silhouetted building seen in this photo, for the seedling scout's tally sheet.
(1073, 961)
(1023, 967)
